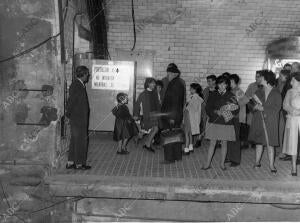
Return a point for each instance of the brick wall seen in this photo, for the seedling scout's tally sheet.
(203, 36)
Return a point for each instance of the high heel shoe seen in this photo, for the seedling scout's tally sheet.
(70, 166)
(274, 170)
(223, 168)
(122, 152)
(126, 150)
(256, 166)
(149, 148)
(294, 174)
(205, 168)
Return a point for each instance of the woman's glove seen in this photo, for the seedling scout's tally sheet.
(259, 107)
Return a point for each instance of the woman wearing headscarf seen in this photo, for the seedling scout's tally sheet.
(172, 107)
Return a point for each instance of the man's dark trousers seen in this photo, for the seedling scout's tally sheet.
(234, 148)
(78, 113)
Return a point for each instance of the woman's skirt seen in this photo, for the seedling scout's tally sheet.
(150, 122)
(290, 142)
(220, 132)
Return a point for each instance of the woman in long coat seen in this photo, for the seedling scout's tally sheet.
(283, 85)
(148, 103)
(265, 122)
(172, 106)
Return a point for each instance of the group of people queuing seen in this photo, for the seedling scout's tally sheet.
(267, 115)
(160, 106)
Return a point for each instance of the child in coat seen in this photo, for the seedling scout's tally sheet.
(125, 127)
(192, 117)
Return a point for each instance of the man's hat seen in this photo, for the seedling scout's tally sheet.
(173, 68)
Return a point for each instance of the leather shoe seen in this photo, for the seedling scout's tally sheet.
(234, 164)
(256, 166)
(83, 167)
(286, 158)
(122, 152)
(206, 168)
(149, 148)
(167, 162)
(70, 166)
(197, 144)
(223, 168)
(227, 160)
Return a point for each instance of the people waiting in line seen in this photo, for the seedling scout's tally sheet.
(162, 106)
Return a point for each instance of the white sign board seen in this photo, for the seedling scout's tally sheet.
(112, 76)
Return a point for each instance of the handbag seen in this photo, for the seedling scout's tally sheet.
(251, 104)
(169, 136)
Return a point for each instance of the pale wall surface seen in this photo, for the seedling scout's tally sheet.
(203, 36)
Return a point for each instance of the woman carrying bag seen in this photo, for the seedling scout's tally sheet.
(172, 107)
(265, 122)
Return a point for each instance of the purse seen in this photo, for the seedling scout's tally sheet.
(169, 136)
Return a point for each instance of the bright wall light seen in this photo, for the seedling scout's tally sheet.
(148, 72)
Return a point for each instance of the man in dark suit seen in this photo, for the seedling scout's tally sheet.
(78, 112)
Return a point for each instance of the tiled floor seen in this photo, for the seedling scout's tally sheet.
(142, 163)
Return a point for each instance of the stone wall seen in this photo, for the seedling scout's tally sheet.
(28, 118)
(30, 121)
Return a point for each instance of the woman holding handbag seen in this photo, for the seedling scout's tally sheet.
(265, 122)
(172, 107)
